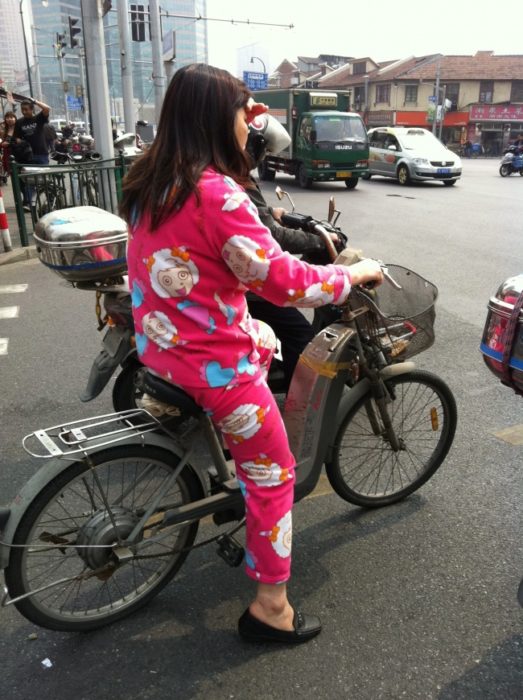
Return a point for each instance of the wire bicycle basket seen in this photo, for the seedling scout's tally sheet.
(399, 322)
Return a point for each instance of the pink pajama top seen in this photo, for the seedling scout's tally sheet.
(189, 277)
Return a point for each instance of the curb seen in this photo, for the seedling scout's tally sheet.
(18, 255)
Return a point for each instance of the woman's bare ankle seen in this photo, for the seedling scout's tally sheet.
(275, 611)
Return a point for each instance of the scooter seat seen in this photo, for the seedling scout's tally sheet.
(164, 391)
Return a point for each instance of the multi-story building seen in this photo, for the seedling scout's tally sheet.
(59, 72)
(12, 54)
(481, 96)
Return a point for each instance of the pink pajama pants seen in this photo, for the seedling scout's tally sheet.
(251, 423)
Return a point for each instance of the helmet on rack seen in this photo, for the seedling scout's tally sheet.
(266, 135)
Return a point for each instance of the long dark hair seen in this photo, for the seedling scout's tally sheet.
(196, 129)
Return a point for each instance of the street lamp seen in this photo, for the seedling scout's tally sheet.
(45, 3)
(259, 59)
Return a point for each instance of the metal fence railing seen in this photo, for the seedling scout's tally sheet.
(46, 188)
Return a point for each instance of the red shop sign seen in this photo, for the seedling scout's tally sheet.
(496, 112)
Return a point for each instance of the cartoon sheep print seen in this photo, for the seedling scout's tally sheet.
(247, 260)
(280, 536)
(172, 272)
(264, 472)
(158, 328)
(243, 422)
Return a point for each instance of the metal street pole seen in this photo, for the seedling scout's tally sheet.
(126, 65)
(435, 122)
(62, 78)
(156, 44)
(36, 64)
(26, 51)
(96, 66)
(444, 97)
(85, 96)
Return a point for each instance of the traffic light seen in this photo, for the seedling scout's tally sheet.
(60, 45)
(73, 31)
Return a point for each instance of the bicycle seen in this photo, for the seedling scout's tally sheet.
(109, 522)
(83, 179)
(47, 190)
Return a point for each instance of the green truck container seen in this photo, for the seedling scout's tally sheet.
(328, 141)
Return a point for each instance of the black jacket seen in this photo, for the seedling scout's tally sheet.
(292, 240)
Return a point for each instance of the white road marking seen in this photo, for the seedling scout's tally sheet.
(9, 312)
(13, 288)
(4, 342)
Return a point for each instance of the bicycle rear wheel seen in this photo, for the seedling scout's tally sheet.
(365, 470)
(67, 562)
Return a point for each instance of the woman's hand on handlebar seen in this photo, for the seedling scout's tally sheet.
(364, 271)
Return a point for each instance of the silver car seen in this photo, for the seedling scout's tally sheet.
(411, 154)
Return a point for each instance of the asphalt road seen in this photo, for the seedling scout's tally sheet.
(417, 600)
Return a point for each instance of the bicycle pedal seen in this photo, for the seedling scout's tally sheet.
(230, 550)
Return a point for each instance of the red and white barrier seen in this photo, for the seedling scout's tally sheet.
(4, 227)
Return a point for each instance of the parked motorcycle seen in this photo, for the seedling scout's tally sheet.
(502, 342)
(512, 162)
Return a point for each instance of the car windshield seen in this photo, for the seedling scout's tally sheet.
(417, 139)
(339, 128)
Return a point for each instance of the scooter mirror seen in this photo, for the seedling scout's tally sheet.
(332, 209)
(281, 194)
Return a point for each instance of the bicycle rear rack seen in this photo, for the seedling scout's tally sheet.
(83, 436)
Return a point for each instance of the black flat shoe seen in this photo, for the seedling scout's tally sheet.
(253, 630)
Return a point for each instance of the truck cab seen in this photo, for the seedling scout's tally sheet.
(328, 141)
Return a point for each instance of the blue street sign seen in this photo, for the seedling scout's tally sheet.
(432, 98)
(74, 102)
(255, 81)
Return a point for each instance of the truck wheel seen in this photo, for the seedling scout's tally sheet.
(266, 173)
(351, 182)
(304, 181)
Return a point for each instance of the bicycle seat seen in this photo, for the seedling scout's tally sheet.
(168, 393)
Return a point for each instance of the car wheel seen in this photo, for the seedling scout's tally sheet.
(351, 182)
(304, 181)
(403, 175)
(449, 183)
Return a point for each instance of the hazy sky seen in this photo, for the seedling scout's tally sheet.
(381, 29)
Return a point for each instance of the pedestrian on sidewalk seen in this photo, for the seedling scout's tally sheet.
(30, 127)
(7, 139)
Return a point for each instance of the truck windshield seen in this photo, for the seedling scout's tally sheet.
(339, 128)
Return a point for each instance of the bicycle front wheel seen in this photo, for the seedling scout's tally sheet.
(64, 546)
(365, 469)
